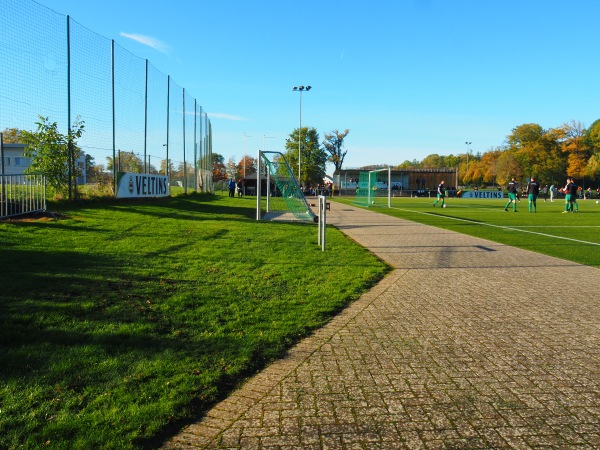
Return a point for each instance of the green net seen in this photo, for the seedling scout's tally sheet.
(285, 200)
(372, 188)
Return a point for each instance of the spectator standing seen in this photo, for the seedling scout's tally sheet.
(231, 187)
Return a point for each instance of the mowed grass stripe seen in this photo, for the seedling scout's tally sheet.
(506, 227)
(578, 242)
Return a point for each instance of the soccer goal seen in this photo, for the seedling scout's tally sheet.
(284, 199)
(374, 188)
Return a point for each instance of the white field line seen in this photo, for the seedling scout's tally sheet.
(500, 226)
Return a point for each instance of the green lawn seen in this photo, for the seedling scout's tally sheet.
(122, 321)
(573, 236)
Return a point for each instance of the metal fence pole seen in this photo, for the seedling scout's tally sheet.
(185, 181)
(146, 167)
(70, 159)
(322, 211)
(114, 138)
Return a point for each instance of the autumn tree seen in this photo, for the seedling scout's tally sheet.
(334, 143)
(219, 170)
(12, 136)
(247, 166)
(233, 170)
(572, 138)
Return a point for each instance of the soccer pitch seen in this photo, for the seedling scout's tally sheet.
(572, 236)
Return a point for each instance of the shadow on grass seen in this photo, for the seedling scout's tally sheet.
(60, 306)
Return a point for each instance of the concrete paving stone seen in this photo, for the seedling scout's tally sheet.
(450, 350)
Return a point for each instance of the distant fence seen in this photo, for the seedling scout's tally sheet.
(52, 66)
(22, 194)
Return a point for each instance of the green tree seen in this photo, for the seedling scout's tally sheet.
(334, 143)
(126, 162)
(593, 166)
(313, 156)
(592, 135)
(414, 164)
(54, 154)
(508, 166)
(433, 161)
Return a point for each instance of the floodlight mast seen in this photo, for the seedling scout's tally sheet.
(300, 89)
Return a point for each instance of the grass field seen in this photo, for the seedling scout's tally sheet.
(122, 321)
(573, 236)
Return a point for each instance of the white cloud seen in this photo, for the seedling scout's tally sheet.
(149, 41)
(227, 117)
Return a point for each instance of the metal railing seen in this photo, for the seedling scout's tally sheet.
(22, 194)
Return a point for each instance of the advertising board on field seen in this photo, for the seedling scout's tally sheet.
(138, 185)
(482, 194)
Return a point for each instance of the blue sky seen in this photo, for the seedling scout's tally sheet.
(407, 77)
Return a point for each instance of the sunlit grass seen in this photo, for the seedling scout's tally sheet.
(573, 236)
(124, 320)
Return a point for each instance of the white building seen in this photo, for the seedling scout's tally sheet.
(16, 164)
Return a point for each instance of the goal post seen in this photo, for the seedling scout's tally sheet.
(374, 188)
(284, 200)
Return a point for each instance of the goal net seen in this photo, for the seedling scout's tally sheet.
(374, 188)
(284, 198)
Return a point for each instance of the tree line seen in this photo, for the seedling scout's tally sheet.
(529, 150)
(314, 154)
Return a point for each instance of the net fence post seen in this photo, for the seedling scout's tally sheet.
(389, 187)
(258, 185)
(322, 221)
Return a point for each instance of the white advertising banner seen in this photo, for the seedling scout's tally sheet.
(136, 185)
(482, 194)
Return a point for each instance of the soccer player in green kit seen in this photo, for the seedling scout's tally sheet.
(441, 194)
(533, 190)
(570, 191)
(512, 195)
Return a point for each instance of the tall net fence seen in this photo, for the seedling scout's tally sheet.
(285, 200)
(52, 66)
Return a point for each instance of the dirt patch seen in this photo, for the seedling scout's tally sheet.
(43, 216)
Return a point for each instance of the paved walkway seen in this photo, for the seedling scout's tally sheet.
(467, 344)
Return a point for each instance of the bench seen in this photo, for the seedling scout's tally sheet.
(327, 205)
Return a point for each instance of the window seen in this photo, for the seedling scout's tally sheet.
(7, 161)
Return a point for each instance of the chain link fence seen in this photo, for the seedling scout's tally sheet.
(54, 67)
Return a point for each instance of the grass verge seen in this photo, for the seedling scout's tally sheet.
(123, 321)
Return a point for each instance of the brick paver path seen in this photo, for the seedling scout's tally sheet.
(467, 344)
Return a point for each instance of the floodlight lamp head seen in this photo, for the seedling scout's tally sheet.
(301, 88)
(295, 88)
(308, 88)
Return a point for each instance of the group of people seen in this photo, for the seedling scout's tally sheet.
(532, 191)
(233, 186)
